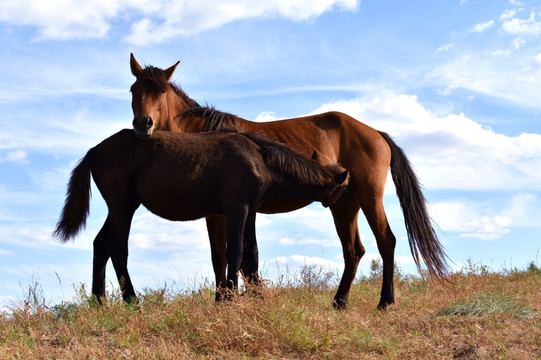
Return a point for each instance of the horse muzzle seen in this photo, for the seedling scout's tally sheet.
(143, 126)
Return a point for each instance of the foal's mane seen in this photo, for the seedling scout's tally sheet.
(280, 157)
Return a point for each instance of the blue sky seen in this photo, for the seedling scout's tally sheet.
(457, 83)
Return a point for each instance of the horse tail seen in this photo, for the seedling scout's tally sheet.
(76, 206)
(422, 238)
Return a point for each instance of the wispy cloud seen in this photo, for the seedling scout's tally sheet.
(151, 22)
(483, 26)
(16, 156)
(187, 18)
(509, 14)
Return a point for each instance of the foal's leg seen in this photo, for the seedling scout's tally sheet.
(250, 254)
(217, 237)
(375, 214)
(235, 221)
(101, 256)
(345, 212)
(118, 248)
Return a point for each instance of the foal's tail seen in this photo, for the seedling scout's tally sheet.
(76, 206)
(421, 235)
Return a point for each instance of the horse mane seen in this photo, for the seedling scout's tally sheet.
(282, 158)
(155, 79)
(215, 119)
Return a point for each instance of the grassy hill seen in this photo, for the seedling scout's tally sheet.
(478, 315)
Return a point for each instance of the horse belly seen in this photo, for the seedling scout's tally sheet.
(175, 206)
(275, 206)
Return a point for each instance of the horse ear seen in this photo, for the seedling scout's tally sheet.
(169, 71)
(136, 69)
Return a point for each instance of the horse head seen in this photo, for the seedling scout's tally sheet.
(151, 97)
(340, 182)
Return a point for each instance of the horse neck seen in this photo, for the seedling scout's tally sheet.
(175, 121)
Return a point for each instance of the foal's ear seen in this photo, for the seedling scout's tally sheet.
(169, 71)
(136, 69)
(343, 178)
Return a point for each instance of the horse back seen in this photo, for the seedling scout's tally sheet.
(184, 176)
(334, 135)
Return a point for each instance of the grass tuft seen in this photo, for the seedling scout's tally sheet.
(487, 305)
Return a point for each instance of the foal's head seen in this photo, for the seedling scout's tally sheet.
(155, 101)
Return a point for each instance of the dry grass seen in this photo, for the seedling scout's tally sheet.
(480, 315)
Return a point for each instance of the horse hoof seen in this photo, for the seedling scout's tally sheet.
(339, 304)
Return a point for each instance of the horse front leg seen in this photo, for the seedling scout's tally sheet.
(217, 238)
(101, 256)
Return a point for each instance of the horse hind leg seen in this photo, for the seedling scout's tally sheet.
(118, 248)
(101, 256)
(345, 213)
(217, 238)
(386, 241)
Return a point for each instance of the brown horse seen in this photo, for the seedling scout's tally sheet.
(185, 177)
(159, 104)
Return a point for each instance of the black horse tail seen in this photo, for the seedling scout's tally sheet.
(76, 206)
(421, 235)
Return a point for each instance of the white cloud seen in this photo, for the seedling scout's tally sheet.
(59, 19)
(159, 20)
(295, 262)
(444, 48)
(467, 218)
(487, 228)
(524, 210)
(187, 18)
(6, 252)
(525, 27)
(518, 43)
(287, 241)
(309, 241)
(266, 116)
(483, 26)
(149, 231)
(509, 14)
(464, 155)
(16, 156)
